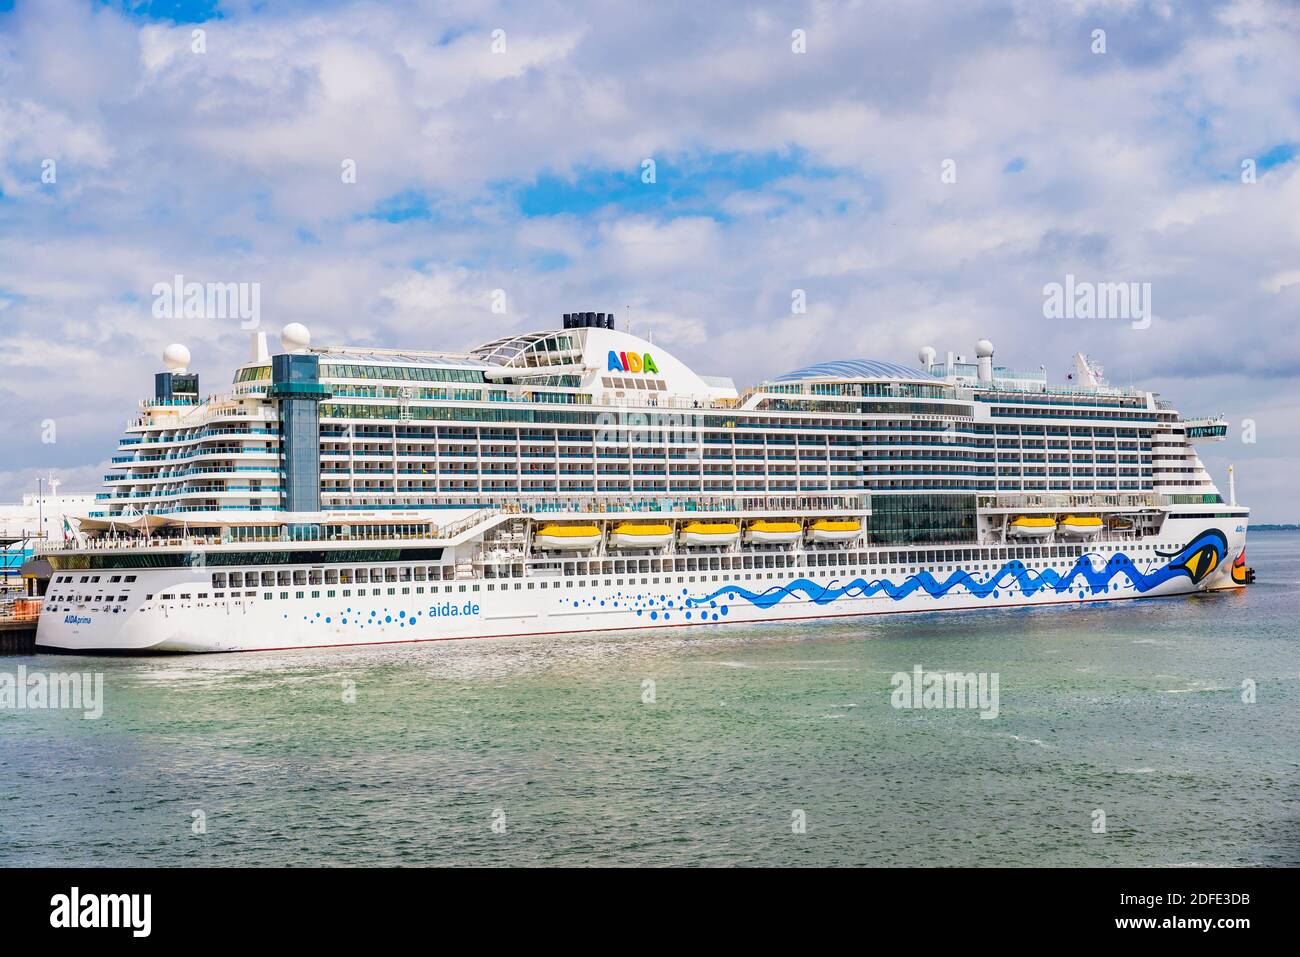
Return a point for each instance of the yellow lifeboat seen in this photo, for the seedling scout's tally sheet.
(1031, 526)
(765, 532)
(567, 538)
(632, 535)
(1080, 526)
(710, 533)
(834, 530)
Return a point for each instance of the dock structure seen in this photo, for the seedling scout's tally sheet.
(18, 619)
(20, 608)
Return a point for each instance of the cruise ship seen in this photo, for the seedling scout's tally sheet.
(582, 478)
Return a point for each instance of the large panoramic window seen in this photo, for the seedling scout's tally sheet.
(922, 519)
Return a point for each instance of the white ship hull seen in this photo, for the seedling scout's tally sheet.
(547, 604)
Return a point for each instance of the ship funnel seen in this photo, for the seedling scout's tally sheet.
(588, 320)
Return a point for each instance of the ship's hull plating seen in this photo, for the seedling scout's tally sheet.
(480, 608)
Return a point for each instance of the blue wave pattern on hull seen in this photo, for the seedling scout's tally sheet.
(1201, 556)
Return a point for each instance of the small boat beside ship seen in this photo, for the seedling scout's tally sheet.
(767, 532)
(640, 535)
(710, 533)
(567, 538)
(1032, 526)
(834, 530)
(1042, 527)
(1080, 526)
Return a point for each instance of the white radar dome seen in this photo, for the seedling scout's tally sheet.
(176, 358)
(926, 355)
(295, 337)
(983, 349)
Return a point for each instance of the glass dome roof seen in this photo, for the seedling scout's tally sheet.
(854, 369)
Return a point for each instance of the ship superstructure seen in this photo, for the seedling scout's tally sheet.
(583, 478)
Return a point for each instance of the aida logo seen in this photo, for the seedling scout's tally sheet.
(631, 362)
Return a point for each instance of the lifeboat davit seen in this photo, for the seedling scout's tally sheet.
(710, 533)
(631, 535)
(764, 532)
(1080, 526)
(834, 530)
(1031, 526)
(567, 538)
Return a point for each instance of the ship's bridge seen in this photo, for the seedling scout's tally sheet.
(1206, 429)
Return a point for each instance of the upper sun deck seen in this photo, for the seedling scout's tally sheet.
(602, 368)
(596, 364)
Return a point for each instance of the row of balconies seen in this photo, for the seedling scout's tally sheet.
(200, 435)
(195, 454)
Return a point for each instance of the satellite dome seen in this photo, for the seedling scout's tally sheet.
(176, 358)
(926, 355)
(984, 349)
(295, 337)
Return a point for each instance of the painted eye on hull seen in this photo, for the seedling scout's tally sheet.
(1202, 555)
(1201, 562)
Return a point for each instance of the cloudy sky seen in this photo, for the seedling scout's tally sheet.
(502, 146)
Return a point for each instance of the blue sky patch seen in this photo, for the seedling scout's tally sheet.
(1282, 153)
(550, 261)
(402, 207)
(177, 11)
(684, 185)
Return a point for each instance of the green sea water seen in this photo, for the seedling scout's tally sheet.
(549, 751)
